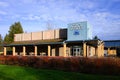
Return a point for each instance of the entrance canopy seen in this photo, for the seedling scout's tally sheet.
(94, 43)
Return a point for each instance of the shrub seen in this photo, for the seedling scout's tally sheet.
(76, 64)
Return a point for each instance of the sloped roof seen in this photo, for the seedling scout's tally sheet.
(36, 42)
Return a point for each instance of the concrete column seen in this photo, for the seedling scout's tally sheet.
(64, 49)
(87, 51)
(96, 51)
(99, 50)
(35, 50)
(5, 51)
(49, 50)
(84, 50)
(108, 51)
(14, 51)
(24, 50)
(102, 49)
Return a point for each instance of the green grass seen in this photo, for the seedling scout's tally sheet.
(8, 72)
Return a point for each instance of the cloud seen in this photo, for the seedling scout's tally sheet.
(87, 4)
(105, 24)
(3, 13)
(31, 17)
(4, 4)
(97, 12)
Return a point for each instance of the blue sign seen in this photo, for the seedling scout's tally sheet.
(76, 32)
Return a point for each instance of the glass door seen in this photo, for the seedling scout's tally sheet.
(77, 51)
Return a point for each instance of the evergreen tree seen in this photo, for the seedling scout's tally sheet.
(14, 29)
(96, 38)
(1, 41)
(6, 39)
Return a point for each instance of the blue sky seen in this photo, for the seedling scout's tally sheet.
(36, 15)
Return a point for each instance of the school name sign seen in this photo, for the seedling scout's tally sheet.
(75, 27)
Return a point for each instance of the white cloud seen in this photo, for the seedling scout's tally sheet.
(97, 13)
(3, 13)
(15, 16)
(87, 4)
(31, 17)
(105, 24)
(4, 4)
(27, 1)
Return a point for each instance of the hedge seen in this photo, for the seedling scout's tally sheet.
(109, 66)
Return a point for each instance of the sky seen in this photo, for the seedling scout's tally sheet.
(38, 15)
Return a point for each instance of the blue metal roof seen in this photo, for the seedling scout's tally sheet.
(112, 43)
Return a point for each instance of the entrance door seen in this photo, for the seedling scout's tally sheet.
(77, 51)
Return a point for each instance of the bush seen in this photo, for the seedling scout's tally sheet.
(76, 64)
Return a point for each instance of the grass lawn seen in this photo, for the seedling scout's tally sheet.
(22, 73)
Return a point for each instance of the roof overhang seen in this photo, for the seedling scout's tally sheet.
(89, 42)
(35, 42)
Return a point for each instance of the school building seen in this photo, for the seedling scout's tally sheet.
(75, 40)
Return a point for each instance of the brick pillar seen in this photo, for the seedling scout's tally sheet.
(24, 51)
(5, 51)
(14, 51)
(35, 50)
(64, 49)
(49, 50)
(84, 50)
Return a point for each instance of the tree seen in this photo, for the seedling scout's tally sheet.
(96, 38)
(6, 39)
(1, 41)
(49, 26)
(14, 29)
